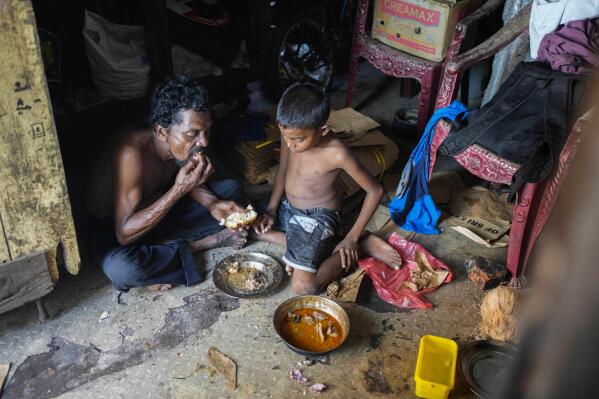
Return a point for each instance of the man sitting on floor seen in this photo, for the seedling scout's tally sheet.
(150, 205)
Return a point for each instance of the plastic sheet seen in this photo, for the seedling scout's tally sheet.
(390, 284)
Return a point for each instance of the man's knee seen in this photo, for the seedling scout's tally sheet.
(122, 268)
(229, 189)
(304, 286)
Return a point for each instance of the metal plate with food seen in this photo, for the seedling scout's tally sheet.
(247, 274)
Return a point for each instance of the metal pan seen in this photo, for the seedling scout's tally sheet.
(314, 302)
(485, 365)
(234, 284)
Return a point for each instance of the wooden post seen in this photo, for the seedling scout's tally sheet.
(35, 212)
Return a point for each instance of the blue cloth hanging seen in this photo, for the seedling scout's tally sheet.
(413, 208)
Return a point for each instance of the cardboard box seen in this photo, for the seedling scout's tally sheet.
(376, 152)
(420, 27)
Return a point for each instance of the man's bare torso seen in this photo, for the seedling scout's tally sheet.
(157, 175)
(311, 179)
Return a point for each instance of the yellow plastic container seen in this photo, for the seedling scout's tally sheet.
(435, 367)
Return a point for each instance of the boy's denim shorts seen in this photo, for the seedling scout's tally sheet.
(312, 234)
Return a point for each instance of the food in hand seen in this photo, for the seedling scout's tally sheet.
(237, 220)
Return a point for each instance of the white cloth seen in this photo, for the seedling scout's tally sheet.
(507, 58)
(547, 15)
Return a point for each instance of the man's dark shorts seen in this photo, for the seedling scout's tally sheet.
(312, 234)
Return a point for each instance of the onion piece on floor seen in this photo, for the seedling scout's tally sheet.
(317, 389)
(296, 375)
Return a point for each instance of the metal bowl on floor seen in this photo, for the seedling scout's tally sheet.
(312, 302)
(233, 283)
(486, 364)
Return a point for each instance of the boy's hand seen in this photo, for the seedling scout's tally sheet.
(348, 249)
(264, 223)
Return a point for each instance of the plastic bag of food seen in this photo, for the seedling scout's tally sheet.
(420, 274)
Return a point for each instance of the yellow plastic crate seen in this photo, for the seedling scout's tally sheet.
(435, 367)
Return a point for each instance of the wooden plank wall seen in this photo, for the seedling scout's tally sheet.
(34, 204)
(4, 253)
(19, 287)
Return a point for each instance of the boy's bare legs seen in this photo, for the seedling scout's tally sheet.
(272, 236)
(305, 283)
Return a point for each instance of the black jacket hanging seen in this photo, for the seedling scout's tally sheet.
(527, 122)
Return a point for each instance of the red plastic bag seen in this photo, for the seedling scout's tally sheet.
(389, 283)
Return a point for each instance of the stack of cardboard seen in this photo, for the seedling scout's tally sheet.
(253, 159)
(374, 150)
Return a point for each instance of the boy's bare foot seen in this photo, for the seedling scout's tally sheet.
(377, 248)
(159, 287)
(289, 269)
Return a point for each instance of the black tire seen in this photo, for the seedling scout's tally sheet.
(285, 68)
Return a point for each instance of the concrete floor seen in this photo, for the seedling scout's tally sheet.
(154, 345)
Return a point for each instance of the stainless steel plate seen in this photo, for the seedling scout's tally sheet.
(486, 364)
(234, 283)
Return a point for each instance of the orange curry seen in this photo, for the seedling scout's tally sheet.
(311, 330)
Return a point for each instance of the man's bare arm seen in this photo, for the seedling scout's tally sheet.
(218, 208)
(130, 222)
(204, 196)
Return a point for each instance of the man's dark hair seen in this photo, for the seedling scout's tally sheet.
(177, 93)
(303, 106)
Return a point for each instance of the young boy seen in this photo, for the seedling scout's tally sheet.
(311, 160)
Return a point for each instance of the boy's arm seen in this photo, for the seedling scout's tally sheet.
(374, 191)
(265, 222)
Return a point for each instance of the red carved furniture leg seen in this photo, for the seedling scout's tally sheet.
(550, 188)
(519, 220)
(426, 98)
(441, 132)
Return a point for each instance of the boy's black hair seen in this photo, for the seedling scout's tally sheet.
(177, 93)
(303, 106)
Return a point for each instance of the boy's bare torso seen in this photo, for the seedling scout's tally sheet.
(311, 179)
